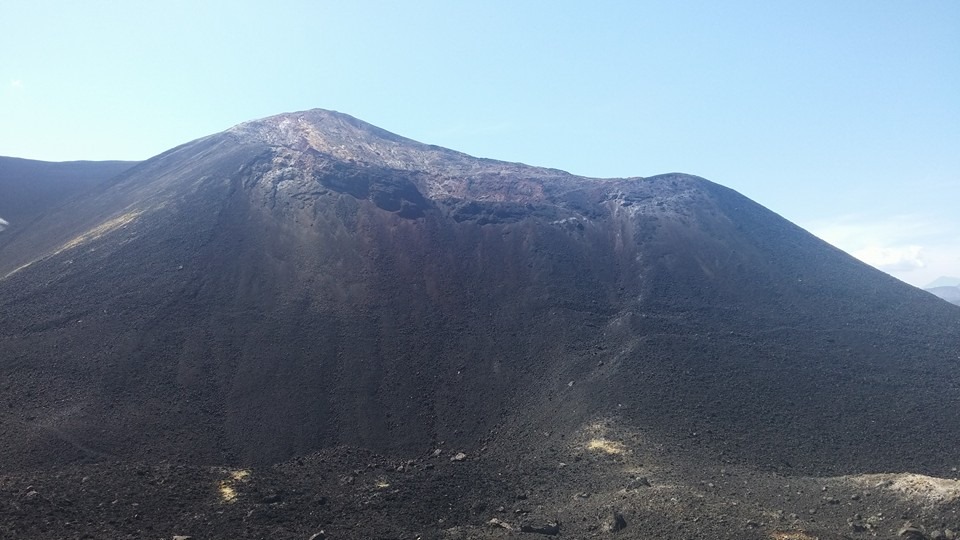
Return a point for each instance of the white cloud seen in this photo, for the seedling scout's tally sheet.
(857, 232)
(910, 247)
(892, 259)
(3, 224)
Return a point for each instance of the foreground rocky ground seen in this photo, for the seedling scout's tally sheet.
(601, 483)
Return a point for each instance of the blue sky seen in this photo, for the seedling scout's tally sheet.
(843, 117)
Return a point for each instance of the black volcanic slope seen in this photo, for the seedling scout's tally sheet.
(29, 188)
(309, 282)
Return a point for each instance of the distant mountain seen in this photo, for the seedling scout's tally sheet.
(311, 283)
(948, 293)
(944, 281)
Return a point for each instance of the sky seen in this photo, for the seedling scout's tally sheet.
(843, 117)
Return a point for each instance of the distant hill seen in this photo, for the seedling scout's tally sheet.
(948, 293)
(944, 281)
(29, 188)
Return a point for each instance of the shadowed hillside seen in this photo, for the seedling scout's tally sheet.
(31, 188)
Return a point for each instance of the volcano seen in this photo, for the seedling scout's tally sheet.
(308, 294)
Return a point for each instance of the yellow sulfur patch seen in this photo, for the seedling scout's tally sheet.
(915, 488)
(227, 493)
(226, 488)
(606, 446)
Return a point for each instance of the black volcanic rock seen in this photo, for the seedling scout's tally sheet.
(308, 281)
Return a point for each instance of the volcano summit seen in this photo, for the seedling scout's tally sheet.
(314, 297)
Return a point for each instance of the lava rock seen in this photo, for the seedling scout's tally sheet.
(911, 533)
(638, 483)
(613, 521)
(549, 529)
